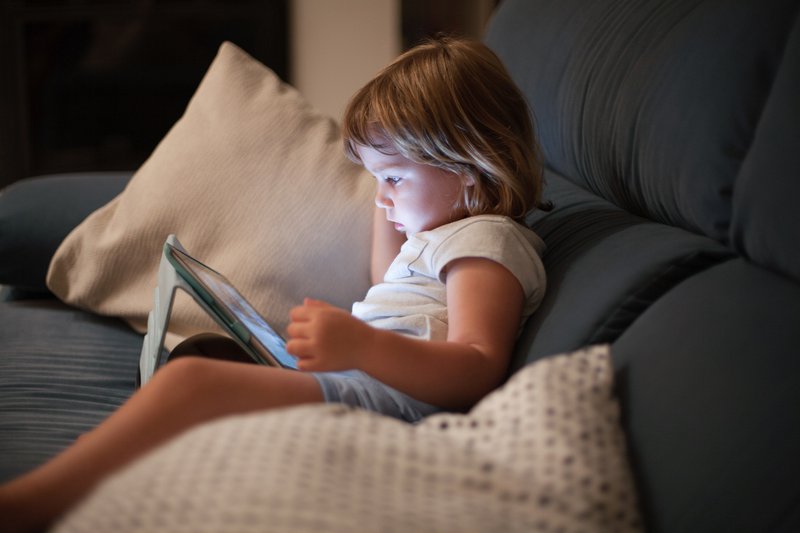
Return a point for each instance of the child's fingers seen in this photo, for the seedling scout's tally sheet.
(315, 303)
(301, 313)
(296, 314)
(299, 348)
(296, 330)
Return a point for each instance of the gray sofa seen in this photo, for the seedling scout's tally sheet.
(671, 133)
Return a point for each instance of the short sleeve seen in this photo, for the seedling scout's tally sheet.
(498, 239)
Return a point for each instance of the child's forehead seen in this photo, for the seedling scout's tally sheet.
(380, 141)
(379, 160)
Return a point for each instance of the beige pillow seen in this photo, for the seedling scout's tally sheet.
(253, 181)
(544, 453)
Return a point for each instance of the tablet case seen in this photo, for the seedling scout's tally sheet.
(157, 321)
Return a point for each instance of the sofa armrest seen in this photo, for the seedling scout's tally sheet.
(37, 213)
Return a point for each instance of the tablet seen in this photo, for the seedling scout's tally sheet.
(231, 310)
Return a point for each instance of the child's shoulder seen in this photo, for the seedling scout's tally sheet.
(493, 237)
(482, 227)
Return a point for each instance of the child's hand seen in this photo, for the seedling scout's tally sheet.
(326, 338)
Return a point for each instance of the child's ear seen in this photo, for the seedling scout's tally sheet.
(469, 180)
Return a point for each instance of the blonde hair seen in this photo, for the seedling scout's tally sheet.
(450, 103)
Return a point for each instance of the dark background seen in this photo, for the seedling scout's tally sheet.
(95, 84)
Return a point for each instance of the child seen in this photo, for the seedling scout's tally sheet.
(448, 137)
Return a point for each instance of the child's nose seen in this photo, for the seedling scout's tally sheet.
(381, 199)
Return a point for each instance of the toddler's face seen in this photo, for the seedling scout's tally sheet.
(416, 197)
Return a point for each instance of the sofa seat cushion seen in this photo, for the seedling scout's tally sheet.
(62, 371)
(604, 267)
(708, 384)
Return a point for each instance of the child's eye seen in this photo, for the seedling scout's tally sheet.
(394, 180)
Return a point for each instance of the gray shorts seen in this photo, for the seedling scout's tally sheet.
(359, 389)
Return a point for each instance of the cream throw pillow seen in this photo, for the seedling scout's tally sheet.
(544, 453)
(254, 182)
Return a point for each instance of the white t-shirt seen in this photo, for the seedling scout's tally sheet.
(412, 299)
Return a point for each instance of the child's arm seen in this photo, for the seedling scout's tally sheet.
(484, 305)
(386, 243)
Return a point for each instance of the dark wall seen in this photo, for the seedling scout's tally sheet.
(94, 85)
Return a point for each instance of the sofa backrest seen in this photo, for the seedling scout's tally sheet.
(670, 133)
(651, 104)
(765, 224)
(671, 136)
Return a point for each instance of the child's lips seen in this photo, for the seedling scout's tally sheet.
(397, 225)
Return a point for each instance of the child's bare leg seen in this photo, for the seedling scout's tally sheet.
(182, 394)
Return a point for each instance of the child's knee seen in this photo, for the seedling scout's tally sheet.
(184, 376)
